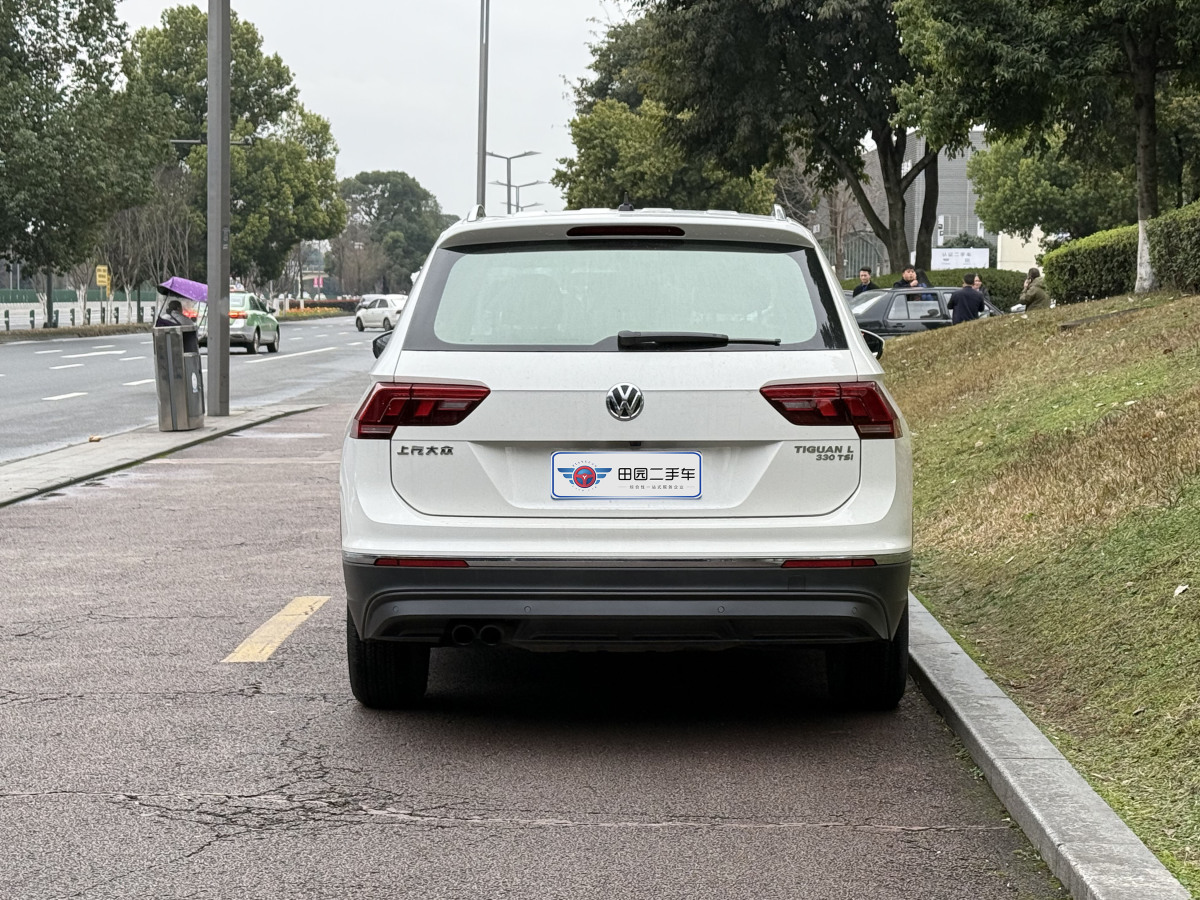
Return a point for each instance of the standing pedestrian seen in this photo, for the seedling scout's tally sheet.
(908, 278)
(979, 287)
(1034, 294)
(966, 303)
(864, 282)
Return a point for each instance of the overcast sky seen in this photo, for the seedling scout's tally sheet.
(399, 80)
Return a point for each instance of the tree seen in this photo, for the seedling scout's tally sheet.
(172, 62)
(1019, 191)
(1021, 68)
(283, 186)
(623, 151)
(395, 213)
(67, 161)
(757, 78)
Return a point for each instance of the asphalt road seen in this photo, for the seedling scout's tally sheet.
(60, 392)
(136, 762)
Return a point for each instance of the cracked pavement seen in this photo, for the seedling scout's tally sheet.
(134, 763)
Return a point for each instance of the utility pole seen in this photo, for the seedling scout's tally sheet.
(481, 163)
(219, 53)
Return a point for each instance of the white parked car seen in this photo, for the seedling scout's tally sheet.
(382, 311)
(627, 430)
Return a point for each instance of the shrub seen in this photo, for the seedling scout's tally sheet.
(314, 312)
(1099, 265)
(1175, 247)
(1003, 285)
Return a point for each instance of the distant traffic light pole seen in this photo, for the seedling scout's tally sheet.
(219, 54)
(481, 163)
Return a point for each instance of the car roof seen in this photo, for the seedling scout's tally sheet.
(713, 225)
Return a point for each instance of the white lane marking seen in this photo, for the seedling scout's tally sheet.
(343, 333)
(356, 343)
(289, 356)
(67, 396)
(104, 347)
(94, 353)
(146, 342)
(130, 358)
(42, 352)
(136, 383)
(297, 339)
(68, 366)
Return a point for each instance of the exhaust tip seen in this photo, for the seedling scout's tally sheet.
(462, 635)
(491, 635)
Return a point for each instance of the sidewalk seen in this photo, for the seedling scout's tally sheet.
(25, 478)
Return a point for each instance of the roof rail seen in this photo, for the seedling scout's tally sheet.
(778, 213)
(476, 213)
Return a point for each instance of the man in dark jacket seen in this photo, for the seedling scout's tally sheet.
(864, 282)
(966, 303)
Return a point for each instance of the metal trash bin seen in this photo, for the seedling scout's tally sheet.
(178, 378)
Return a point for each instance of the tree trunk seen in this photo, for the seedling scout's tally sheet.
(928, 223)
(1144, 68)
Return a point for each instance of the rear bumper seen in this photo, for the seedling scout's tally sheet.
(582, 606)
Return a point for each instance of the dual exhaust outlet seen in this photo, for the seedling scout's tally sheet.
(465, 635)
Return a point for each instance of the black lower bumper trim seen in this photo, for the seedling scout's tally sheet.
(583, 607)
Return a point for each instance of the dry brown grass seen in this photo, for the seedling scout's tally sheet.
(1136, 457)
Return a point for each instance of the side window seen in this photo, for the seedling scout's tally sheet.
(916, 306)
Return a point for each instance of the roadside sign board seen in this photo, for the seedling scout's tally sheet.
(101, 276)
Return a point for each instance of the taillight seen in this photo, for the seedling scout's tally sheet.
(857, 403)
(391, 406)
(237, 314)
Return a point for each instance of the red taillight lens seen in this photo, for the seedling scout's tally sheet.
(237, 314)
(409, 562)
(857, 403)
(827, 563)
(390, 406)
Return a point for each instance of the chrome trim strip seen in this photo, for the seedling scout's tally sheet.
(883, 559)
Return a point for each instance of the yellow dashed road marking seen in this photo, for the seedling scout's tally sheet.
(273, 632)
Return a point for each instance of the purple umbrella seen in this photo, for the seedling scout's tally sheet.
(182, 287)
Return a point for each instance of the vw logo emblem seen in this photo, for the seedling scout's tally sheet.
(624, 402)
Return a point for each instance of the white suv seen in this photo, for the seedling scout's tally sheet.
(617, 430)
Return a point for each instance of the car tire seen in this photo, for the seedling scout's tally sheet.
(252, 347)
(387, 325)
(869, 675)
(358, 323)
(385, 674)
(273, 347)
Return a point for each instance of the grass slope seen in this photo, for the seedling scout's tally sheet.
(1057, 514)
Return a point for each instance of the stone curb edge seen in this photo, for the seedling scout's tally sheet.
(1084, 842)
(25, 478)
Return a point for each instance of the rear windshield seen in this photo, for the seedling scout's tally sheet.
(238, 300)
(578, 295)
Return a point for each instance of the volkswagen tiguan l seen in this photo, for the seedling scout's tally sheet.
(626, 430)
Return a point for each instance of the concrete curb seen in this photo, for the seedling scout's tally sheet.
(1086, 845)
(25, 478)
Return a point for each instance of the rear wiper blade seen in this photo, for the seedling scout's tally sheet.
(666, 340)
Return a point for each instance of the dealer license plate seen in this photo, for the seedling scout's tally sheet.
(657, 475)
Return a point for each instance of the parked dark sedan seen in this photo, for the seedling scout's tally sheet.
(893, 311)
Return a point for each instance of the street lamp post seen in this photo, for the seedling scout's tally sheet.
(517, 189)
(508, 179)
(481, 163)
(218, 206)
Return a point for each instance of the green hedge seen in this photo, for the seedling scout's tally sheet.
(1003, 285)
(1175, 247)
(1099, 265)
